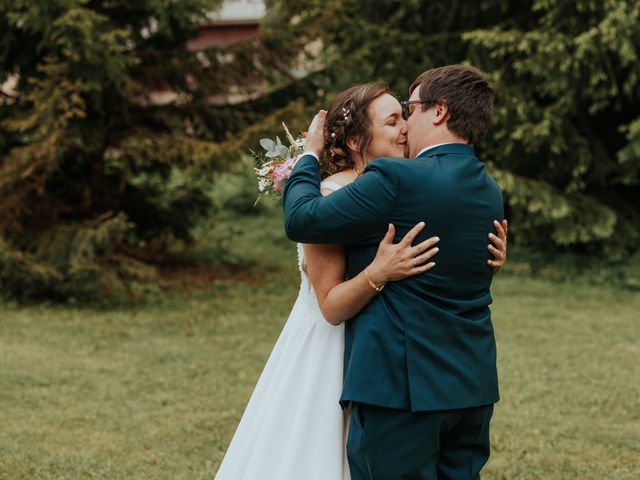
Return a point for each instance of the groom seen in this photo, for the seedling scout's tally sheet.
(420, 359)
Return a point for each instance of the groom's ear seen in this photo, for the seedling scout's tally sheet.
(441, 113)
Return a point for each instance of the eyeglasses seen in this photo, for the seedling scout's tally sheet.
(406, 112)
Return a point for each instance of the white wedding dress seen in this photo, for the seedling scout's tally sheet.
(293, 427)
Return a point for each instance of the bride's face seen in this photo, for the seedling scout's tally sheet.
(388, 129)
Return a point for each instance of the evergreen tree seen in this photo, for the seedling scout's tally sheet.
(565, 139)
(93, 174)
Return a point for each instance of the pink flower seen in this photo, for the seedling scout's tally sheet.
(274, 167)
(283, 171)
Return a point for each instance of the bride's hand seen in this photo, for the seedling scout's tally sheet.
(315, 134)
(499, 246)
(401, 260)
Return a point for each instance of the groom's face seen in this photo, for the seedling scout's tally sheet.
(418, 124)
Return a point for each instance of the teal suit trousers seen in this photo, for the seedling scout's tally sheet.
(390, 444)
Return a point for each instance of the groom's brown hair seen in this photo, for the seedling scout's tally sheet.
(467, 94)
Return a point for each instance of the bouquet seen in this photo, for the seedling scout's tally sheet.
(276, 162)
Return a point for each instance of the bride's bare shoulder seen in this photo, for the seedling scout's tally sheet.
(336, 181)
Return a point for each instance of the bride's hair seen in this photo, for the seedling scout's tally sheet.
(348, 118)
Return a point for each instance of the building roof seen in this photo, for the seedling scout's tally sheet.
(238, 11)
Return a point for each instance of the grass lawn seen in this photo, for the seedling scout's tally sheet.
(155, 391)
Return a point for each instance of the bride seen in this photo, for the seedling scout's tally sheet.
(293, 427)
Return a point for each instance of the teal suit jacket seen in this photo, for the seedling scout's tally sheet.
(424, 343)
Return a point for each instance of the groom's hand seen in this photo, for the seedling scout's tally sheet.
(315, 135)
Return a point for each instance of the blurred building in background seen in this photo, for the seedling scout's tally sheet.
(236, 21)
(8, 89)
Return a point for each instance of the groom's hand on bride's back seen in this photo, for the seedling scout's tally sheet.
(498, 246)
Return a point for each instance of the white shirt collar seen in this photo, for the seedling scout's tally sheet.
(432, 146)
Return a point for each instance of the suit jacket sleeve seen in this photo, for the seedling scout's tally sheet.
(357, 214)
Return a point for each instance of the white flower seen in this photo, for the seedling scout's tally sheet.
(262, 184)
(264, 170)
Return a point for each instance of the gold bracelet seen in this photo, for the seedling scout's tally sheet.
(373, 285)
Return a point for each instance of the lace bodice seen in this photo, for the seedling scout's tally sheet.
(306, 290)
(305, 283)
